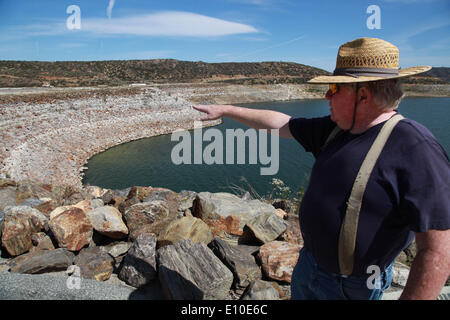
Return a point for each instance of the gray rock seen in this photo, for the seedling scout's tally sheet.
(94, 263)
(166, 195)
(261, 290)
(96, 203)
(247, 196)
(400, 273)
(32, 202)
(265, 227)
(15, 286)
(43, 261)
(241, 263)
(185, 199)
(139, 265)
(191, 271)
(117, 249)
(30, 189)
(221, 205)
(107, 221)
(7, 197)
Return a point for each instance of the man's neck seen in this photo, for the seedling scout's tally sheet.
(370, 121)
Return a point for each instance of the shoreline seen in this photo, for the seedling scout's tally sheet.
(48, 134)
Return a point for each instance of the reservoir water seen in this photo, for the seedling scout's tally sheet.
(147, 162)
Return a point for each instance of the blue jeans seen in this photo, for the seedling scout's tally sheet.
(311, 282)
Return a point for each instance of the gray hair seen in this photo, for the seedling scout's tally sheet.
(387, 94)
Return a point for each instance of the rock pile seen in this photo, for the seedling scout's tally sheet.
(161, 244)
(190, 245)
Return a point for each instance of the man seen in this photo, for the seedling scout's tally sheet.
(403, 188)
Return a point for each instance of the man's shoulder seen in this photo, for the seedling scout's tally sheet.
(412, 137)
(411, 130)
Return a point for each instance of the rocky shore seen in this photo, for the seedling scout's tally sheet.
(146, 243)
(48, 134)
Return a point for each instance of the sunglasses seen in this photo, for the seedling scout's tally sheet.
(334, 88)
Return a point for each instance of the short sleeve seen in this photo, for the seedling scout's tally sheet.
(311, 133)
(425, 194)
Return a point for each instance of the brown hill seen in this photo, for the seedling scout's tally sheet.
(111, 73)
(122, 72)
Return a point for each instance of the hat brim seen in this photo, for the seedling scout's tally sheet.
(348, 79)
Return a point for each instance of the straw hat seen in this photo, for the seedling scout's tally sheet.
(367, 59)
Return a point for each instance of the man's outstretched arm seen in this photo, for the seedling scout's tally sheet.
(254, 118)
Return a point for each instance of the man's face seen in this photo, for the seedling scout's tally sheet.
(342, 105)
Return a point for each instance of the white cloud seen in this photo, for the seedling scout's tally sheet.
(167, 23)
(109, 8)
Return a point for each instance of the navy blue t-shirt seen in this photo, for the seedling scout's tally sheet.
(408, 191)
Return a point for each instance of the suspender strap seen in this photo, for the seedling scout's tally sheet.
(349, 227)
(332, 135)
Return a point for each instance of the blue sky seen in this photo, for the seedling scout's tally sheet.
(307, 32)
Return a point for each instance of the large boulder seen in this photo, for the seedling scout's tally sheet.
(278, 259)
(29, 189)
(191, 271)
(107, 221)
(72, 229)
(185, 228)
(40, 220)
(139, 265)
(241, 263)
(94, 263)
(43, 261)
(261, 290)
(265, 227)
(19, 224)
(221, 205)
(141, 214)
(166, 195)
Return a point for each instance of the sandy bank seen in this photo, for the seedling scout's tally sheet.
(48, 134)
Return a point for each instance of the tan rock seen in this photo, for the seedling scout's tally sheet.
(229, 225)
(20, 223)
(185, 228)
(16, 234)
(72, 229)
(84, 205)
(108, 221)
(95, 191)
(57, 211)
(278, 259)
(145, 213)
(281, 213)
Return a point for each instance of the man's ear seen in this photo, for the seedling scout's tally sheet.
(364, 95)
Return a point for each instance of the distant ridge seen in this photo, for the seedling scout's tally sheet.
(117, 72)
(122, 72)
